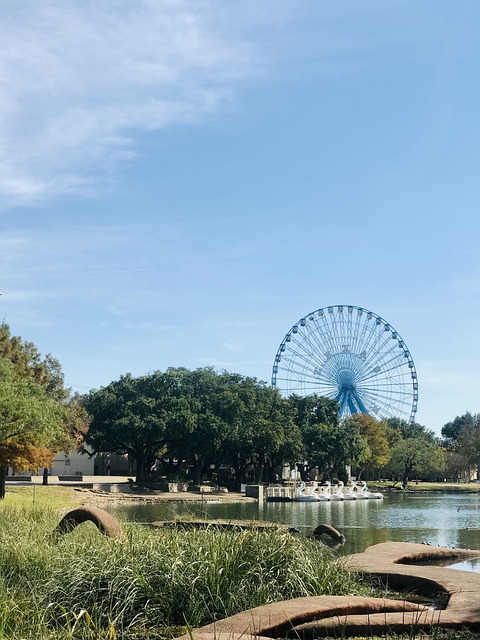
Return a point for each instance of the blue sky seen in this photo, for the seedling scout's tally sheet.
(182, 180)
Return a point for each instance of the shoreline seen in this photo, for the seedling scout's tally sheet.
(98, 497)
(64, 495)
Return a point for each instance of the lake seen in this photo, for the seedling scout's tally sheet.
(451, 520)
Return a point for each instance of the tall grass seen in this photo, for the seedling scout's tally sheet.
(88, 586)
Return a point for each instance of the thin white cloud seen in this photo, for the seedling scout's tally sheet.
(77, 80)
(80, 80)
(20, 295)
(229, 346)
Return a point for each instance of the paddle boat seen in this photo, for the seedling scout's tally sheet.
(348, 491)
(335, 490)
(323, 491)
(369, 495)
(357, 489)
(307, 493)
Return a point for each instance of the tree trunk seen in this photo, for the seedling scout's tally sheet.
(130, 464)
(197, 472)
(269, 472)
(140, 460)
(238, 478)
(259, 474)
(407, 472)
(3, 474)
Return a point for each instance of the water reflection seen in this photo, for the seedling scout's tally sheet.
(467, 565)
(451, 520)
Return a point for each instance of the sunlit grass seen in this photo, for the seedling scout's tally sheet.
(89, 586)
(155, 583)
(36, 495)
(413, 486)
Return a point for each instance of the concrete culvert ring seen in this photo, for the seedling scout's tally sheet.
(329, 531)
(106, 523)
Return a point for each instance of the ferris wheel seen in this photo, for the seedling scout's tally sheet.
(353, 356)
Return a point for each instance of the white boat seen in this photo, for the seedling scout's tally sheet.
(348, 491)
(323, 491)
(369, 495)
(357, 489)
(308, 493)
(335, 490)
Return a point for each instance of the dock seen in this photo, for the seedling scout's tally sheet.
(280, 493)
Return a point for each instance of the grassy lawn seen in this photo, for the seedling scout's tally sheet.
(53, 497)
(413, 487)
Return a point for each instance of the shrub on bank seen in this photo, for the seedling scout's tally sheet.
(86, 585)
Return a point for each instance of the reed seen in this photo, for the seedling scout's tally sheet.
(88, 586)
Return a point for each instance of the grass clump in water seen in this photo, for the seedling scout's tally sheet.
(86, 585)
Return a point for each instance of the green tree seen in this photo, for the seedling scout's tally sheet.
(256, 420)
(314, 409)
(45, 372)
(375, 432)
(403, 429)
(275, 434)
(290, 447)
(30, 364)
(468, 443)
(30, 422)
(457, 466)
(327, 444)
(462, 439)
(415, 450)
(453, 430)
(200, 417)
(131, 416)
(415, 456)
(196, 428)
(341, 447)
